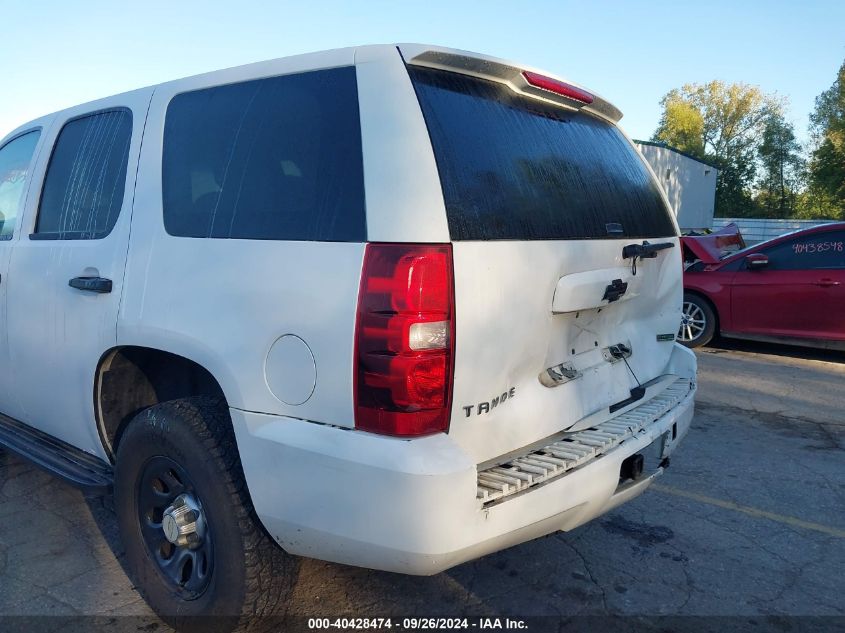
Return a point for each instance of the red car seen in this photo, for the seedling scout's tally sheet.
(787, 290)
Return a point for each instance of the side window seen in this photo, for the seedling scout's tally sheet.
(810, 252)
(86, 178)
(271, 159)
(15, 159)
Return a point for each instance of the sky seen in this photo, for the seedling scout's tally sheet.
(58, 54)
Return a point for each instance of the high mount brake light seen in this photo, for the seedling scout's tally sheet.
(404, 339)
(558, 87)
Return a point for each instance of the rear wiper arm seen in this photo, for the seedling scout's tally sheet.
(643, 251)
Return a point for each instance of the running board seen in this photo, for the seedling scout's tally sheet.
(576, 449)
(80, 469)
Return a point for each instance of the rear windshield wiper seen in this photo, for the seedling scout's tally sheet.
(643, 251)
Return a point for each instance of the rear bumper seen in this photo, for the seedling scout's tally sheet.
(411, 506)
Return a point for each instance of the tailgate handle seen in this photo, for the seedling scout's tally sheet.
(589, 289)
(643, 251)
(827, 282)
(91, 284)
(616, 289)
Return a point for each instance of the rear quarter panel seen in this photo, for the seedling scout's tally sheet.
(223, 302)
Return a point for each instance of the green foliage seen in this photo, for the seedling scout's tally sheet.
(762, 171)
(781, 169)
(827, 162)
(812, 204)
(722, 123)
(733, 197)
(681, 125)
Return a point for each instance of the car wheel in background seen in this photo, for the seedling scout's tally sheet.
(698, 321)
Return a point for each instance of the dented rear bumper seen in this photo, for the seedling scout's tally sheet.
(416, 506)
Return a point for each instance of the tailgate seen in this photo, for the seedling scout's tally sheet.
(524, 372)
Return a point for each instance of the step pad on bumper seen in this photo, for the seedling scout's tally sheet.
(576, 449)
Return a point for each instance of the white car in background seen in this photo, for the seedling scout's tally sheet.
(395, 307)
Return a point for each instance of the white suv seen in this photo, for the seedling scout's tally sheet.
(396, 307)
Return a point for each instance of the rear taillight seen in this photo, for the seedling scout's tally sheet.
(558, 87)
(404, 339)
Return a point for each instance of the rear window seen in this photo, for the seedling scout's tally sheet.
(272, 159)
(514, 168)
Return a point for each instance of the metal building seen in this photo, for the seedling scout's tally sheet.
(689, 183)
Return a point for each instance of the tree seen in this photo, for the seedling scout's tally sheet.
(733, 195)
(827, 164)
(681, 125)
(781, 168)
(722, 123)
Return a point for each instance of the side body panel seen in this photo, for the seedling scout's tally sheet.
(801, 293)
(223, 303)
(9, 400)
(404, 196)
(831, 303)
(59, 333)
(778, 303)
(773, 304)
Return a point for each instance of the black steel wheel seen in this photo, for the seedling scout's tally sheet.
(195, 548)
(174, 527)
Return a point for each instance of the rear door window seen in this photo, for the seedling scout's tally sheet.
(86, 178)
(271, 159)
(819, 251)
(515, 168)
(15, 158)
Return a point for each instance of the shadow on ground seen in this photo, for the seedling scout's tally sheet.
(720, 344)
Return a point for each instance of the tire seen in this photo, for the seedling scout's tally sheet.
(698, 321)
(184, 452)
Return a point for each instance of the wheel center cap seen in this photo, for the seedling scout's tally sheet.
(183, 522)
(170, 527)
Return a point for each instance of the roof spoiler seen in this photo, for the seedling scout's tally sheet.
(516, 78)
